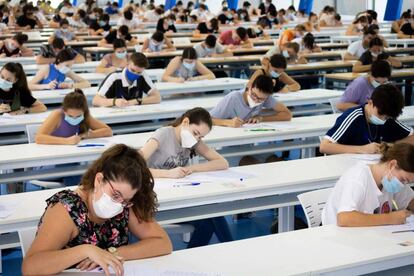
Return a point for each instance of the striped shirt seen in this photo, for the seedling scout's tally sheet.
(352, 128)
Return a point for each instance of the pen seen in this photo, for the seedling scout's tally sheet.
(90, 145)
(187, 184)
(262, 129)
(402, 231)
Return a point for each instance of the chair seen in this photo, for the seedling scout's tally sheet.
(333, 103)
(26, 237)
(313, 204)
(31, 131)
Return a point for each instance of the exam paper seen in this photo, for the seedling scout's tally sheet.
(277, 126)
(7, 209)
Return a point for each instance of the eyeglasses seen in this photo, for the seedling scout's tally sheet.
(117, 197)
(257, 98)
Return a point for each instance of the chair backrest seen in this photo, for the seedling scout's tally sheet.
(181, 40)
(333, 103)
(31, 131)
(26, 237)
(313, 204)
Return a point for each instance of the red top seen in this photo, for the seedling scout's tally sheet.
(226, 38)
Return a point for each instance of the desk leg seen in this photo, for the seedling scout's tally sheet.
(286, 219)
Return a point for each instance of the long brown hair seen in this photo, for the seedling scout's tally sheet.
(403, 153)
(196, 116)
(77, 100)
(123, 163)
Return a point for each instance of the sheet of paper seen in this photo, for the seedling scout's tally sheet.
(96, 141)
(230, 176)
(277, 126)
(7, 209)
(407, 227)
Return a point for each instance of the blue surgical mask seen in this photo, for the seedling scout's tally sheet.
(102, 23)
(189, 66)
(64, 69)
(5, 85)
(131, 75)
(274, 74)
(375, 84)
(376, 121)
(74, 121)
(392, 185)
(121, 55)
(286, 54)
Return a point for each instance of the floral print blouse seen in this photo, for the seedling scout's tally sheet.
(112, 233)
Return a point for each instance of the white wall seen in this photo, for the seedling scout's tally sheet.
(351, 7)
(318, 5)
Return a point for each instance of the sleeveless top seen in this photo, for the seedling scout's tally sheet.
(65, 129)
(9, 53)
(155, 48)
(278, 84)
(112, 233)
(183, 72)
(54, 74)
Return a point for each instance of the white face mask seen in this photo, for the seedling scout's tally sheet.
(187, 139)
(11, 46)
(285, 53)
(251, 102)
(106, 208)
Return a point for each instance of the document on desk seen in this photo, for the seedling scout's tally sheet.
(402, 228)
(275, 126)
(6, 117)
(7, 209)
(224, 177)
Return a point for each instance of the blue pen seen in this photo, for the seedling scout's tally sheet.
(90, 145)
(187, 184)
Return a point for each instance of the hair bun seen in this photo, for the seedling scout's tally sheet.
(77, 90)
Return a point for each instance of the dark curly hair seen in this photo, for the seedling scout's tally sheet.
(124, 163)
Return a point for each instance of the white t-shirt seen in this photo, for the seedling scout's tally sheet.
(202, 52)
(356, 190)
(151, 16)
(132, 24)
(356, 48)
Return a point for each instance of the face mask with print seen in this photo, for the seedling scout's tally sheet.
(251, 102)
(285, 53)
(106, 208)
(187, 139)
(274, 74)
(11, 46)
(375, 84)
(392, 185)
(131, 75)
(5, 85)
(189, 66)
(64, 69)
(74, 121)
(376, 121)
(121, 55)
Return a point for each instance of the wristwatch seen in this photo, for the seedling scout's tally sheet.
(113, 251)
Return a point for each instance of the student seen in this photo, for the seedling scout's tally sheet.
(396, 25)
(327, 17)
(209, 27)
(361, 129)
(276, 70)
(307, 44)
(313, 23)
(246, 105)
(64, 32)
(211, 48)
(375, 52)
(78, 20)
(357, 48)
(289, 34)
(116, 194)
(128, 87)
(406, 28)
(15, 96)
(266, 6)
(49, 52)
(121, 33)
(54, 75)
(156, 43)
(289, 50)
(186, 68)
(374, 194)
(13, 47)
(71, 123)
(237, 37)
(128, 20)
(359, 91)
(115, 61)
(168, 153)
(28, 20)
(357, 27)
(101, 26)
(166, 25)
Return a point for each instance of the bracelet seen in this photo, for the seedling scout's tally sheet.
(114, 102)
